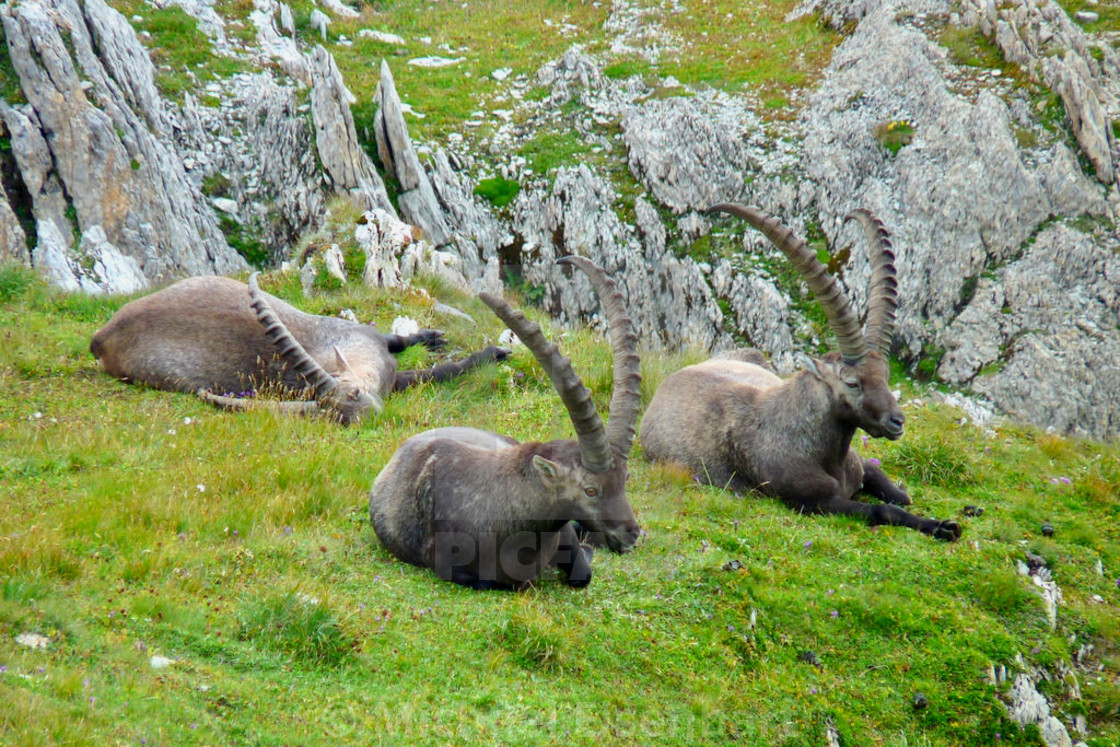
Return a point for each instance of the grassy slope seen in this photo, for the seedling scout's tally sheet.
(239, 546)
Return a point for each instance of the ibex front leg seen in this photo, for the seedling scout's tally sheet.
(876, 483)
(572, 558)
(448, 371)
(822, 495)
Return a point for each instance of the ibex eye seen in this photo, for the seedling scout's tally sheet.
(852, 384)
(591, 492)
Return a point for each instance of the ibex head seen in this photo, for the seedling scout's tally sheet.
(591, 474)
(858, 375)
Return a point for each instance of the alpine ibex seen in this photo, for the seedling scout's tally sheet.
(486, 511)
(215, 336)
(734, 423)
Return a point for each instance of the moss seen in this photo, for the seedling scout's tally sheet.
(216, 185)
(1026, 138)
(497, 190)
(929, 361)
(242, 240)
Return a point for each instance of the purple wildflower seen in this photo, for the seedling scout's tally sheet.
(808, 544)
(834, 613)
(873, 462)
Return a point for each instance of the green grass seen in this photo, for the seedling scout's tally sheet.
(183, 56)
(144, 523)
(500, 192)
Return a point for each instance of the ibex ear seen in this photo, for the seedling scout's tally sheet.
(806, 363)
(340, 360)
(549, 470)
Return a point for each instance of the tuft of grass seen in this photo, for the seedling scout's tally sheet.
(500, 192)
(1002, 592)
(931, 459)
(15, 280)
(895, 134)
(303, 627)
(534, 638)
(969, 47)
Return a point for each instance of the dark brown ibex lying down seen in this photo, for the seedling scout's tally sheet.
(215, 336)
(485, 511)
(734, 423)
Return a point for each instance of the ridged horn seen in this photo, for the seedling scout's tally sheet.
(626, 397)
(594, 447)
(300, 407)
(290, 349)
(841, 318)
(882, 289)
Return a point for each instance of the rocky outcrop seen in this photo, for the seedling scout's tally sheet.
(969, 208)
(108, 193)
(669, 300)
(346, 164)
(416, 198)
(1038, 36)
(255, 150)
(13, 239)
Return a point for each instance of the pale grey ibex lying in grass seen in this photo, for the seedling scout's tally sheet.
(215, 336)
(485, 511)
(734, 423)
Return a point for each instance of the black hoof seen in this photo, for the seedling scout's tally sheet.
(950, 531)
(580, 582)
(432, 339)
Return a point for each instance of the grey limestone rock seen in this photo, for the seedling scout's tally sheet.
(668, 298)
(259, 146)
(1039, 36)
(344, 161)
(416, 198)
(89, 83)
(13, 239)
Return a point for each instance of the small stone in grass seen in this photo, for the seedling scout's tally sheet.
(1047, 529)
(919, 701)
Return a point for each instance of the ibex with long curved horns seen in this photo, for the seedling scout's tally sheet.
(213, 336)
(488, 512)
(734, 423)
